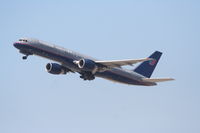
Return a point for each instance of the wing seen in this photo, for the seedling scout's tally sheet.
(119, 63)
(157, 79)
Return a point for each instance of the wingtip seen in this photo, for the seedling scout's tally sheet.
(171, 78)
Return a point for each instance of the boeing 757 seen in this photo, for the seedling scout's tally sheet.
(89, 68)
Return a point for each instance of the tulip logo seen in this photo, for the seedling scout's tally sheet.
(152, 62)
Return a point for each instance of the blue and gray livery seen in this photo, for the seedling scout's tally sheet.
(89, 68)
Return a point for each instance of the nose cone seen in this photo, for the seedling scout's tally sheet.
(16, 45)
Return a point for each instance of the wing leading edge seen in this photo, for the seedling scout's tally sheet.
(119, 63)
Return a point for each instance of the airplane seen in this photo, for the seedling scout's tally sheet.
(88, 67)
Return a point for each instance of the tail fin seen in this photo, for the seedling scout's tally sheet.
(146, 68)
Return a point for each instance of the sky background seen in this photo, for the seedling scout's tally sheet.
(32, 100)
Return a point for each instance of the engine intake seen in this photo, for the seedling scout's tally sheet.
(55, 68)
(87, 65)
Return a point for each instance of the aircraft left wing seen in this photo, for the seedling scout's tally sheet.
(119, 63)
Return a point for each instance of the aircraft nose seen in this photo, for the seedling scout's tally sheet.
(16, 45)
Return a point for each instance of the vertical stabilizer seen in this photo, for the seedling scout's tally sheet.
(146, 68)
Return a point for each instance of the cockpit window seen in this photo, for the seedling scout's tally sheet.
(23, 40)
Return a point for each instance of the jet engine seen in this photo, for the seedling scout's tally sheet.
(87, 65)
(55, 68)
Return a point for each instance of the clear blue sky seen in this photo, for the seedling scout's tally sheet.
(31, 100)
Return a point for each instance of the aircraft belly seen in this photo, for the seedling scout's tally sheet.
(122, 77)
(117, 78)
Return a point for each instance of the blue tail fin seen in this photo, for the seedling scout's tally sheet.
(146, 68)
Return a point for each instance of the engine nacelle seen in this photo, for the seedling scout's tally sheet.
(87, 65)
(55, 68)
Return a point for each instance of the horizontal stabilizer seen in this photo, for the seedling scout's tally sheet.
(157, 79)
